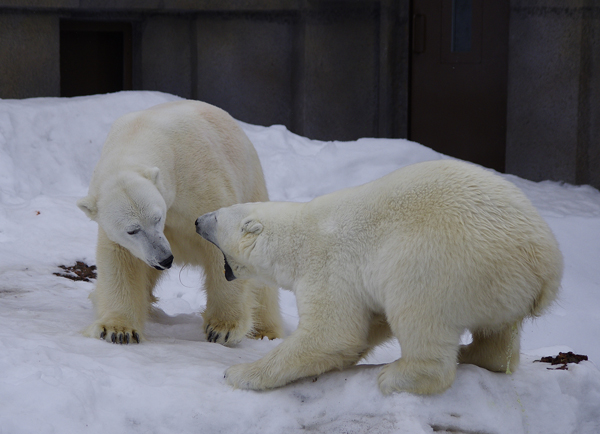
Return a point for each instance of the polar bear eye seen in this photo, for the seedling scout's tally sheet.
(133, 232)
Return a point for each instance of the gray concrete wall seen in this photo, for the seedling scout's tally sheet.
(317, 72)
(335, 72)
(29, 55)
(553, 123)
(245, 65)
(163, 55)
(331, 69)
(327, 69)
(588, 149)
(341, 75)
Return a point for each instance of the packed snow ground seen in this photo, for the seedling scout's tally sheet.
(54, 380)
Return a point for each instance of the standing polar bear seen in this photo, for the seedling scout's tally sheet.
(160, 168)
(421, 254)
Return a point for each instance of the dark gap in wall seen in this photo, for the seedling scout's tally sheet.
(95, 57)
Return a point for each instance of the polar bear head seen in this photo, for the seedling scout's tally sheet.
(132, 212)
(252, 238)
(236, 234)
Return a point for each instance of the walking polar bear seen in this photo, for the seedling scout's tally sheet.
(421, 254)
(159, 169)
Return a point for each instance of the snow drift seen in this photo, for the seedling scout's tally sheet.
(53, 380)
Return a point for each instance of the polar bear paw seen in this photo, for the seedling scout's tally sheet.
(426, 377)
(248, 376)
(259, 334)
(117, 334)
(224, 332)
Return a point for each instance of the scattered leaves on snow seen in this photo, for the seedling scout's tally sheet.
(562, 359)
(79, 271)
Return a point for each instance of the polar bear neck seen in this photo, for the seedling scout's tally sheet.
(285, 240)
(129, 149)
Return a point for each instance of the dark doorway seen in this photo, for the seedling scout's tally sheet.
(459, 78)
(95, 57)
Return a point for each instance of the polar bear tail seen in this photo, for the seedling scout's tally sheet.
(544, 299)
(549, 289)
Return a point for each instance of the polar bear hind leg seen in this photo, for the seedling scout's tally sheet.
(428, 362)
(265, 312)
(495, 350)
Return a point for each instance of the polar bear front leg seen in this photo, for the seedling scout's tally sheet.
(123, 294)
(329, 336)
(302, 354)
(228, 313)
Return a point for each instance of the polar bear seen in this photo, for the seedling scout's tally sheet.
(159, 169)
(422, 254)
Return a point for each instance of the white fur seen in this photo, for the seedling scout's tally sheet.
(159, 169)
(421, 254)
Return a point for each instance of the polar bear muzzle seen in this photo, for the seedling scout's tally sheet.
(206, 226)
(165, 264)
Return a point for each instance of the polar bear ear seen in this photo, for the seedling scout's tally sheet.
(252, 227)
(152, 174)
(88, 206)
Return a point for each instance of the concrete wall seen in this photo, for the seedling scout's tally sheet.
(553, 129)
(326, 69)
(163, 54)
(29, 55)
(341, 76)
(329, 69)
(245, 65)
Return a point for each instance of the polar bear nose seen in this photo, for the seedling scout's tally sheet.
(206, 226)
(167, 262)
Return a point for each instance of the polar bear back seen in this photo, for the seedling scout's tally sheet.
(183, 139)
(449, 229)
(421, 254)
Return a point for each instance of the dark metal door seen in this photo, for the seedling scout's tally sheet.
(458, 78)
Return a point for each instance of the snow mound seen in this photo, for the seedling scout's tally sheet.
(53, 380)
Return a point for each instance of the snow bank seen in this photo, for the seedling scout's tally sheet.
(53, 380)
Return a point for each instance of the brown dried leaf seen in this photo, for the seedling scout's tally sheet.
(79, 271)
(563, 359)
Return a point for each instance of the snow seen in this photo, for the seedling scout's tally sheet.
(54, 380)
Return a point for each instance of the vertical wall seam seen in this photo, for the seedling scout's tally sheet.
(582, 169)
(194, 56)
